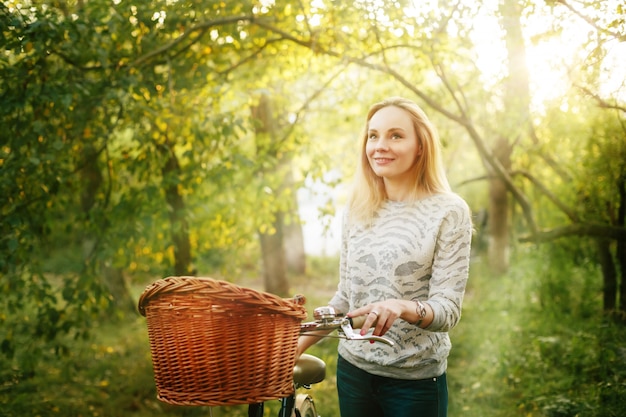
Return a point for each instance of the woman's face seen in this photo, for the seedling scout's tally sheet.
(392, 146)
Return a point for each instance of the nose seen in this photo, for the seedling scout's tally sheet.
(381, 145)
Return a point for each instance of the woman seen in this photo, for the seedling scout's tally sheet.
(404, 265)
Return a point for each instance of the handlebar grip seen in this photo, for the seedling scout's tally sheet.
(357, 322)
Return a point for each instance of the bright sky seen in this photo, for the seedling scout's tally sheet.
(550, 59)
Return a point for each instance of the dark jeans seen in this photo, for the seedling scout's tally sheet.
(362, 394)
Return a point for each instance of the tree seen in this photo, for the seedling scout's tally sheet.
(129, 133)
(456, 96)
(272, 239)
(126, 137)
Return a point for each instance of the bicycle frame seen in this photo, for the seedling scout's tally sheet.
(287, 407)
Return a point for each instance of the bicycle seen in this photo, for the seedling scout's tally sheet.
(310, 369)
(199, 331)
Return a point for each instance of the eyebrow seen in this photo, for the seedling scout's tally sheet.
(389, 130)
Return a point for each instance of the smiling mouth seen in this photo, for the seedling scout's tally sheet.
(383, 160)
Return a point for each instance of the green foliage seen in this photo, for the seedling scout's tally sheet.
(604, 161)
(97, 99)
(569, 338)
(586, 174)
(535, 343)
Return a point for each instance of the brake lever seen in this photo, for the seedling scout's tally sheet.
(350, 334)
(327, 319)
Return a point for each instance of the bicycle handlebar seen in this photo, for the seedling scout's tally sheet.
(357, 322)
(327, 319)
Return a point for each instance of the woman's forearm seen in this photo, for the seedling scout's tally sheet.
(309, 339)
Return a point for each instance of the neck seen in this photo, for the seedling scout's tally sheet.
(398, 192)
(403, 192)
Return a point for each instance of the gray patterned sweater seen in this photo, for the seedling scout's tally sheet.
(412, 251)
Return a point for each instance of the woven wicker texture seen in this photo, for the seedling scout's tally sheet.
(216, 343)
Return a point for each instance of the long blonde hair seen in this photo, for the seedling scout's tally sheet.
(369, 192)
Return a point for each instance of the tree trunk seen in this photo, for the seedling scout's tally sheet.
(620, 251)
(272, 244)
(294, 248)
(516, 100)
(274, 262)
(112, 278)
(609, 275)
(176, 208)
(499, 212)
(293, 235)
(117, 286)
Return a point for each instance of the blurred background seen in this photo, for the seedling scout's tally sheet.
(146, 138)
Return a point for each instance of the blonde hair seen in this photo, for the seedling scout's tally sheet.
(369, 192)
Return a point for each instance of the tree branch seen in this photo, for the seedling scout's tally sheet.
(309, 100)
(441, 73)
(591, 23)
(248, 58)
(602, 103)
(553, 198)
(552, 163)
(203, 26)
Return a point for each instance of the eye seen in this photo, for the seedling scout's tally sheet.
(396, 136)
(372, 136)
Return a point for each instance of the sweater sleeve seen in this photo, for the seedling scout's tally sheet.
(450, 268)
(340, 301)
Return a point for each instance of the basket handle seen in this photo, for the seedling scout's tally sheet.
(222, 290)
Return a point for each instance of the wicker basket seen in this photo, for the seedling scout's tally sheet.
(216, 343)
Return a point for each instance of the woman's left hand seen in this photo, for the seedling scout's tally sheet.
(380, 315)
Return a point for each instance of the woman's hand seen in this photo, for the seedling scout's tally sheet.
(382, 314)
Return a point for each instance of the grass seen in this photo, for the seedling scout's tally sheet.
(489, 325)
(534, 343)
(531, 344)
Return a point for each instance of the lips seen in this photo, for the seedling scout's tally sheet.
(383, 161)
